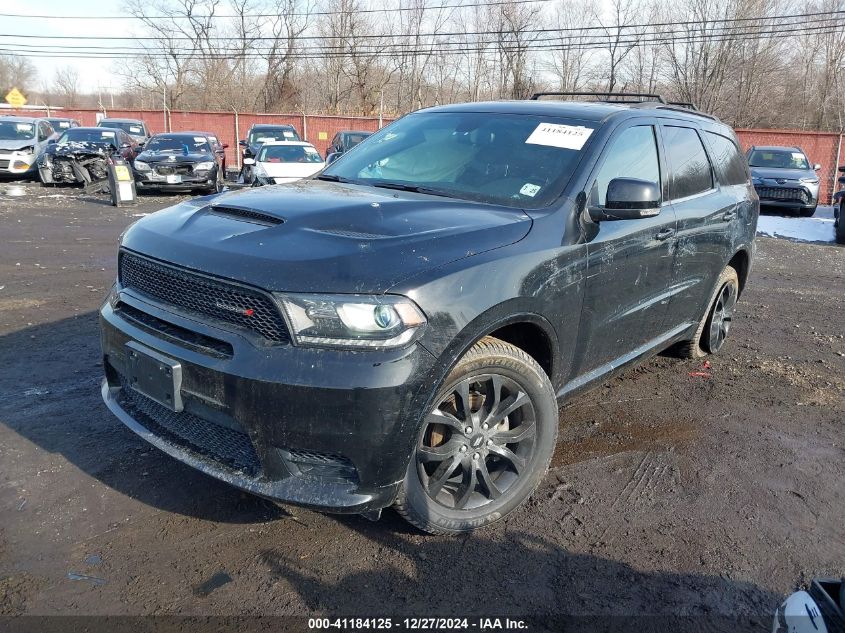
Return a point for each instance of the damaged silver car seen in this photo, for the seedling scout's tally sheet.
(82, 154)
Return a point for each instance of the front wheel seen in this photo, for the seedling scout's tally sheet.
(485, 445)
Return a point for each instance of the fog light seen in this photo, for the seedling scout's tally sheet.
(19, 164)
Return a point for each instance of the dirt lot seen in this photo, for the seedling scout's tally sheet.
(670, 493)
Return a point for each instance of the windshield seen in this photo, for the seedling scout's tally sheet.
(12, 131)
(82, 135)
(289, 154)
(778, 159)
(129, 128)
(179, 144)
(269, 134)
(508, 159)
(351, 140)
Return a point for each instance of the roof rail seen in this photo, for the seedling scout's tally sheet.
(684, 104)
(623, 96)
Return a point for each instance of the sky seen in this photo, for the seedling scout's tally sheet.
(94, 74)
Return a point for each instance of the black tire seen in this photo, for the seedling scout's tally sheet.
(458, 481)
(807, 213)
(218, 184)
(704, 341)
(840, 225)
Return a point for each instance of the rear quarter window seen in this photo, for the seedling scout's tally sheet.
(730, 164)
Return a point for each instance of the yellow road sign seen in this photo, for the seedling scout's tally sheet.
(15, 99)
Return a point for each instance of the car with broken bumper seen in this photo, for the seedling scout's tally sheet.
(178, 161)
(400, 329)
(82, 155)
(22, 141)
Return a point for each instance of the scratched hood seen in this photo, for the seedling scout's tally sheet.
(176, 159)
(16, 144)
(315, 236)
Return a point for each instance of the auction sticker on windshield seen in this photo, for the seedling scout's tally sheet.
(558, 135)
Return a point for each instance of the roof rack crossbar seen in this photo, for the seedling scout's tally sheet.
(684, 104)
(641, 95)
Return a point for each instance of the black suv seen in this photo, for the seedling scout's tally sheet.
(400, 329)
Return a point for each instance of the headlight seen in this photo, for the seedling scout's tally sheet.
(204, 166)
(357, 321)
(810, 181)
(23, 151)
(141, 165)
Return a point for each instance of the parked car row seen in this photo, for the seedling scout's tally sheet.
(60, 151)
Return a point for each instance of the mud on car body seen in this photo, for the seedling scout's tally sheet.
(81, 155)
(400, 329)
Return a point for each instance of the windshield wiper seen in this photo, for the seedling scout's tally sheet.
(333, 178)
(412, 188)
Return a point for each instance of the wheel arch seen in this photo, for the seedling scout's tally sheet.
(741, 263)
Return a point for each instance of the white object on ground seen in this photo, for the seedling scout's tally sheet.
(818, 228)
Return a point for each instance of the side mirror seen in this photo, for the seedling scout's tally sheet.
(331, 157)
(141, 144)
(52, 141)
(628, 199)
(816, 167)
(249, 161)
(242, 143)
(225, 146)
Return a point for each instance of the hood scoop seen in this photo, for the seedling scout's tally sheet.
(245, 215)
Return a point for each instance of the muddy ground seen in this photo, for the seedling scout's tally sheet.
(670, 493)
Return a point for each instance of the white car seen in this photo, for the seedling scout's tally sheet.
(22, 140)
(279, 162)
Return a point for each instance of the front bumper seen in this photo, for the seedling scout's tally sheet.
(327, 429)
(148, 180)
(16, 164)
(788, 197)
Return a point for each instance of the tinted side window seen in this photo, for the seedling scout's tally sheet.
(730, 164)
(688, 163)
(632, 154)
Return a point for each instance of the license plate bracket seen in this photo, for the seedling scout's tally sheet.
(155, 375)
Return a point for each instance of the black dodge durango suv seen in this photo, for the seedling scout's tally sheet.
(399, 330)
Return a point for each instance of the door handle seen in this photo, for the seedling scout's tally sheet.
(665, 234)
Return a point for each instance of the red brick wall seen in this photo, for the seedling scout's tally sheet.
(820, 147)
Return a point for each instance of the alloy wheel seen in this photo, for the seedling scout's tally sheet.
(720, 321)
(478, 442)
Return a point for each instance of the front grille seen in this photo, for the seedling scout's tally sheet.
(783, 193)
(169, 170)
(4, 164)
(230, 448)
(223, 301)
(188, 338)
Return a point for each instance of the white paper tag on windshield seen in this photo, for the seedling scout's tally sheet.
(288, 134)
(24, 127)
(557, 135)
(64, 124)
(134, 129)
(310, 150)
(265, 139)
(199, 139)
(797, 155)
(529, 190)
(108, 134)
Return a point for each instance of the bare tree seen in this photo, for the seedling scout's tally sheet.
(66, 85)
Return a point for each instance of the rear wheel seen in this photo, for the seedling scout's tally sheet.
(716, 322)
(840, 224)
(485, 445)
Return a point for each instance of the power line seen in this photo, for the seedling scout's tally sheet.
(616, 28)
(462, 49)
(438, 7)
(705, 30)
